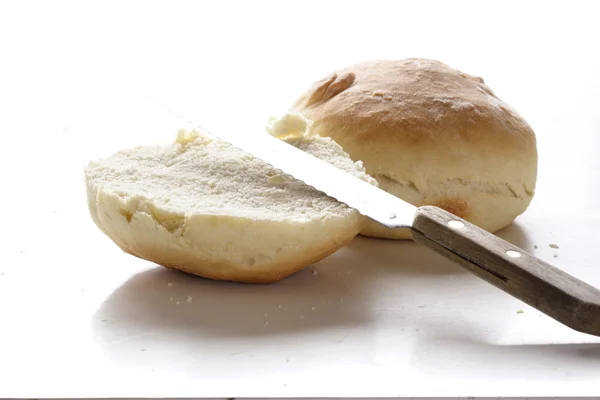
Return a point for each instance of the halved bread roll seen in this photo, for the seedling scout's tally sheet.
(431, 135)
(204, 207)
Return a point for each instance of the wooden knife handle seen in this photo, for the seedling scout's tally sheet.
(511, 269)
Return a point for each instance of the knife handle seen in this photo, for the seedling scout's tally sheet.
(511, 269)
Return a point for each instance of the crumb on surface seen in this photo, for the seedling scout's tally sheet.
(177, 303)
(520, 311)
(280, 306)
(555, 256)
(171, 298)
(314, 271)
(170, 284)
(189, 299)
(313, 308)
(553, 245)
(302, 316)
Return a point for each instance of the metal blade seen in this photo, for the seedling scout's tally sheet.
(369, 200)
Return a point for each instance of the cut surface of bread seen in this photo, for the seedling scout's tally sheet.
(204, 207)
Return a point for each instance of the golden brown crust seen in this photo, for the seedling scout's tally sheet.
(429, 134)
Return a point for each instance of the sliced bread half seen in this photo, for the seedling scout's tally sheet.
(204, 207)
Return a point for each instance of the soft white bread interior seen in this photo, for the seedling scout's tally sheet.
(201, 206)
(431, 135)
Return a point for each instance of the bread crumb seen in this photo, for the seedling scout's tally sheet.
(170, 284)
(278, 180)
(313, 308)
(171, 298)
(189, 299)
(554, 246)
(280, 306)
(266, 314)
(184, 137)
(314, 272)
(288, 124)
(266, 323)
(520, 311)
(177, 303)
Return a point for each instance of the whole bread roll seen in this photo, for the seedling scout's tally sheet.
(431, 135)
(204, 207)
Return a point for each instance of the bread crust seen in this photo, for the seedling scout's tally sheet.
(143, 237)
(431, 135)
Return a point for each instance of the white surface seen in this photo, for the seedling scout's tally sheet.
(80, 318)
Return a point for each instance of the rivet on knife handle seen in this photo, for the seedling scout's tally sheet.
(511, 269)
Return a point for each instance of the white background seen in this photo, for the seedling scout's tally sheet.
(80, 318)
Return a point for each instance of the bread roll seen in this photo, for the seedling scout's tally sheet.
(431, 135)
(204, 207)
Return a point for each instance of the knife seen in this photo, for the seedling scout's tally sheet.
(557, 294)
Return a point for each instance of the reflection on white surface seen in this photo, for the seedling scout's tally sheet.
(80, 318)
